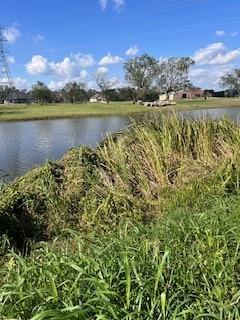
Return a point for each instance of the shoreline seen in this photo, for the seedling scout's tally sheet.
(175, 108)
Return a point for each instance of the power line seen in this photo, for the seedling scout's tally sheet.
(162, 27)
(156, 34)
(138, 13)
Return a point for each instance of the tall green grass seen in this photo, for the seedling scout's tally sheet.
(143, 227)
(186, 267)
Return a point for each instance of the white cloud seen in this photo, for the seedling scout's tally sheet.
(67, 68)
(116, 82)
(21, 83)
(207, 54)
(10, 59)
(83, 74)
(38, 65)
(102, 70)
(223, 58)
(198, 73)
(110, 59)
(132, 51)
(58, 85)
(213, 62)
(215, 54)
(117, 3)
(220, 33)
(84, 60)
(38, 38)
(209, 76)
(11, 34)
(92, 85)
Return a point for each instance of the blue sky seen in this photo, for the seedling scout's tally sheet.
(57, 41)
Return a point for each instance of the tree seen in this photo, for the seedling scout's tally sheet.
(232, 81)
(4, 92)
(57, 96)
(140, 72)
(104, 85)
(173, 74)
(41, 93)
(127, 94)
(91, 92)
(75, 92)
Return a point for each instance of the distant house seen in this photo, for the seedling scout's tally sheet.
(193, 93)
(18, 97)
(98, 97)
(165, 97)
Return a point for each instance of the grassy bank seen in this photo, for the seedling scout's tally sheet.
(143, 227)
(30, 112)
(187, 267)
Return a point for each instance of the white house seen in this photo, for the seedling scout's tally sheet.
(98, 97)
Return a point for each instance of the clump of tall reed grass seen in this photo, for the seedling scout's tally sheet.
(158, 165)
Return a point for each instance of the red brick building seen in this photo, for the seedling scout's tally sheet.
(194, 93)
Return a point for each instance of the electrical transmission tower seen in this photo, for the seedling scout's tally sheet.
(5, 75)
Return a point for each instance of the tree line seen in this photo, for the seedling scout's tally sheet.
(72, 92)
(147, 77)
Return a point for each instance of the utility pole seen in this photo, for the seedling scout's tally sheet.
(5, 75)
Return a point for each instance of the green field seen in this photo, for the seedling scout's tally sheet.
(144, 227)
(30, 112)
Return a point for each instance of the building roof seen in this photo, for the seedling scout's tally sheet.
(19, 95)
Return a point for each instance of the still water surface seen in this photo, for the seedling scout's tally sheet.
(25, 144)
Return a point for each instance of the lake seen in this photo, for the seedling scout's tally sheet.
(26, 144)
